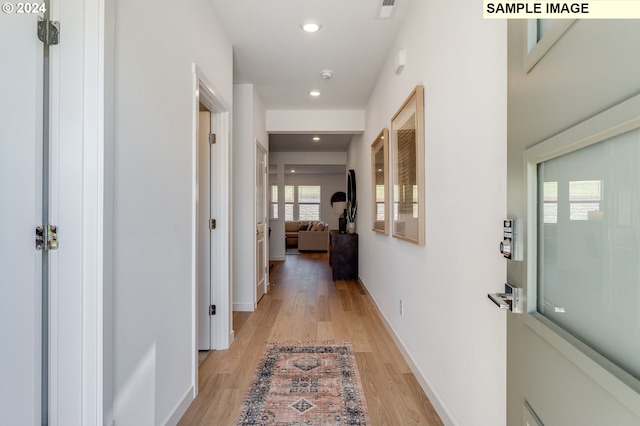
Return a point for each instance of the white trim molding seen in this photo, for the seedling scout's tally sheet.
(222, 333)
(76, 346)
(538, 48)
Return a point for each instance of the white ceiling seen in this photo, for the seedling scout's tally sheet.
(283, 62)
(304, 142)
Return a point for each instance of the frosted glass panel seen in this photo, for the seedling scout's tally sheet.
(588, 246)
(543, 27)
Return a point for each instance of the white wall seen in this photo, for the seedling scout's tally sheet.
(152, 201)
(315, 121)
(248, 125)
(454, 336)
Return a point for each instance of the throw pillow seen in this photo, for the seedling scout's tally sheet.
(321, 226)
(302, 227)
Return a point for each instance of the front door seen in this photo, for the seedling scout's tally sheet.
(21, 174)
(574, 183)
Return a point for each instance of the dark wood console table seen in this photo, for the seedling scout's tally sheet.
(344, 256)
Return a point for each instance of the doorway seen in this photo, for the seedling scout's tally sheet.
(211, 228)
(205, 225)
(262, 271)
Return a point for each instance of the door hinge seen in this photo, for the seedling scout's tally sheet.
(212, 138)
(212, 224)
(46, 237)
(49, 32)
(212, 309)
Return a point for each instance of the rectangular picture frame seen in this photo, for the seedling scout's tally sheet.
(380, 182)
(407, 165)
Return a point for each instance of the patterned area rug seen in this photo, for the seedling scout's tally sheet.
(311, 383)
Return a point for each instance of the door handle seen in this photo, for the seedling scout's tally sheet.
(499, 299)
(511, 299)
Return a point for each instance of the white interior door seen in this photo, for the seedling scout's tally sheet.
(203, 232)
(20, 212)
(573, 161)
(220, 295)
(261, 222)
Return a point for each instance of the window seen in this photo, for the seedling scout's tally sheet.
(550, 199)
(380, 200)
(587, 247)
(540, 35)
(309, 202)
(307, 206)
(584, 199)
(411, 204)
(540, 28)
(274, 201)
(288, 202)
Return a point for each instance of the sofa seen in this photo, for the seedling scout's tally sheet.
(314, 239)
(291, 228)
(307, 236)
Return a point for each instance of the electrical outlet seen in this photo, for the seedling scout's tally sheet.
(401, 308)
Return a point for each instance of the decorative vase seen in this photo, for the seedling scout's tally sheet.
(342, 224)
(351, 227)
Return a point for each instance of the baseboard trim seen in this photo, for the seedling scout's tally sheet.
(437, 403)
(180, 409)
(278, 258)
(244, 307)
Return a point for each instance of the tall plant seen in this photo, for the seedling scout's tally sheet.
(352, 209)
(352, 202)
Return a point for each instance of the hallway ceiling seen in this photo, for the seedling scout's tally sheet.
(284, 63)
(304, 143)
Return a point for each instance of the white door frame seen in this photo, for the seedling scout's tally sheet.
(81, 91)
(204, 234)
(222, 334)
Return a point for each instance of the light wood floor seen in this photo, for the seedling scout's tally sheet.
(305, 304)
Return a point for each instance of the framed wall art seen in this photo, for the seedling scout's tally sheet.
(380, 182)
(407, 165)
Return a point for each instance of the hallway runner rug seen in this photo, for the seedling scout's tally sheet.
(309, 383)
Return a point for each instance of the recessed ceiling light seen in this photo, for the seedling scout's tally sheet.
(293, 171)
(310, 27)
(316, 138)
(314, 93)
